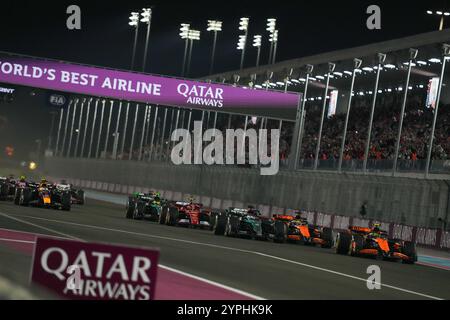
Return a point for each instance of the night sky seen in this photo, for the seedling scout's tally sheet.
(305, 28)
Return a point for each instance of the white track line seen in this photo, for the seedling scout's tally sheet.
(38, 226)
(243, 293)
(348, 276)
(238, 250)
(33, 233)
(246, 294)
(15, 240)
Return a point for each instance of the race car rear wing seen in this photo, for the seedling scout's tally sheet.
(283, 217)
(359, 229)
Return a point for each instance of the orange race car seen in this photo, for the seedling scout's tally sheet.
(374, 242)
(298, 230)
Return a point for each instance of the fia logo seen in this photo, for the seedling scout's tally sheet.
(57, 100)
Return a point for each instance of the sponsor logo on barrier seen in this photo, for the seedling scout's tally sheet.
(80, 270)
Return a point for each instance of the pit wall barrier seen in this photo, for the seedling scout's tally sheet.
(426, 237)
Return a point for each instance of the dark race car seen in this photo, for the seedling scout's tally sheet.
(298, 230)
(141, 205)
(373, 242)
(239, 222)
(76, 195)
(187, 214)
(37, 195)
(7, 188)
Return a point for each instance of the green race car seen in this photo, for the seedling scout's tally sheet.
(144, 205)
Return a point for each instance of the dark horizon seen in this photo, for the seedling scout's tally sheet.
(106, 39)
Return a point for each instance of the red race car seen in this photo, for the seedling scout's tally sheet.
(188, 214)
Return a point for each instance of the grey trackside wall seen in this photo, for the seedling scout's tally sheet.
(416, 202)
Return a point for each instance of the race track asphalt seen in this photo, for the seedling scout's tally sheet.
(264, 269)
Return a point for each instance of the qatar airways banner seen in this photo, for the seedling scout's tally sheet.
(94, 271)
(96, 81)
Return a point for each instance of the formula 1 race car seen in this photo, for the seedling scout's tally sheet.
(76, 195)
(298, 230)
(187, 214)
(34, 194)
(238, 222)
(7, 188)
(142, 205)
(373, 242)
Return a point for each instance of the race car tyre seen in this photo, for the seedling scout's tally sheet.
(136, 215)
(172, 216)
(228, 232)
(220, 224)
(80, 196)
(212, 221)
(343, 243)
(163, 215)
(232, 228)
(358, 244)
(409, 249)
(327, 236)
(280, 232)
(65, 201)
(154, 215)
(17, 197)
(140, 209)
(24, 197)
(4, 191)
(130, 208)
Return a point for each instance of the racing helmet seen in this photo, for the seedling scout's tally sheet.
(22, 178)
(376, 227)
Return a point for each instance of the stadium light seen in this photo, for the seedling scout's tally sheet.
(192, 35)
(243, 25)
(184, 32)
(271, 24)
(134, 19)
(257, 40)
(273, 38)
(215, 26)
(241, 42)
(441, 14)
(134, 22)
(146, 18)
(434, 60)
